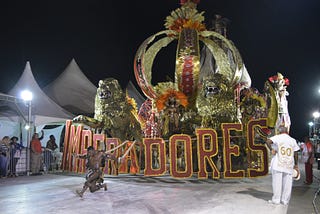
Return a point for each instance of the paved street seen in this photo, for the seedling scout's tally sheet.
(55, 193)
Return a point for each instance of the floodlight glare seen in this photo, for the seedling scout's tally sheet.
(26, 95)
(316, 114)
(310, 124)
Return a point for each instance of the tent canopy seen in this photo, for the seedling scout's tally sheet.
(44, 110)
(135, 94)
(72, 90)
(10, 106)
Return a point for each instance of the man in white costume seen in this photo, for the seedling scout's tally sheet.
(282, 165)
(281, 95)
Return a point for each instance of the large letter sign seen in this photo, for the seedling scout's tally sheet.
(186, 141)
(262, 123)
(161, 157)
(207, 148)
(229, 150)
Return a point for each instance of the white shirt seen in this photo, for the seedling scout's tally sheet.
(284, 158)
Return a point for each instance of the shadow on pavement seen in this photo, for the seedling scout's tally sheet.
(257, 194)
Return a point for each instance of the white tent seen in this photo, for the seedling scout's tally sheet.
(135, 94)
(9, 128)
(44, 110)
(11, 106)
(12, 115)
(72, 90)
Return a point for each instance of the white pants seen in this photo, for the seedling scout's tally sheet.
(281, 187)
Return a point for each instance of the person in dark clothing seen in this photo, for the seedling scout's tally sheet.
(4, 156)
(94, 177)
(15, 153)
(51, 146)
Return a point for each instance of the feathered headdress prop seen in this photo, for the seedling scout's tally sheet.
(279, 77)
(180, 97)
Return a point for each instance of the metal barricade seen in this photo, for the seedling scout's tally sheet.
(316, 198)
(17, 165)
(51, 160)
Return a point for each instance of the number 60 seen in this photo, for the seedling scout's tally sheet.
(286, 151)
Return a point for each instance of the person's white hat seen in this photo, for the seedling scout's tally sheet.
(296, 174)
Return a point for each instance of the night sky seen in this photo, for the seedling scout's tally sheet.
(103, 36)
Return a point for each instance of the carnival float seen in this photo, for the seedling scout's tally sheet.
(209, 120)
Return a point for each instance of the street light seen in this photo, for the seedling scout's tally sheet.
(310, 128)
(27, 97)
(316, 115)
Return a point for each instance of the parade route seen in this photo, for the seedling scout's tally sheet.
(55, 193)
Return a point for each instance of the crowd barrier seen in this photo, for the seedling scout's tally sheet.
(51, 162)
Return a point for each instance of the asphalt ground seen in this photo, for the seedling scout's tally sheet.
(56, 193)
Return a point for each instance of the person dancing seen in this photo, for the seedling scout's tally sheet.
(94, 177)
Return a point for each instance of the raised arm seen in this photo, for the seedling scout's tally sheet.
(269, 142)
(79, 156)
